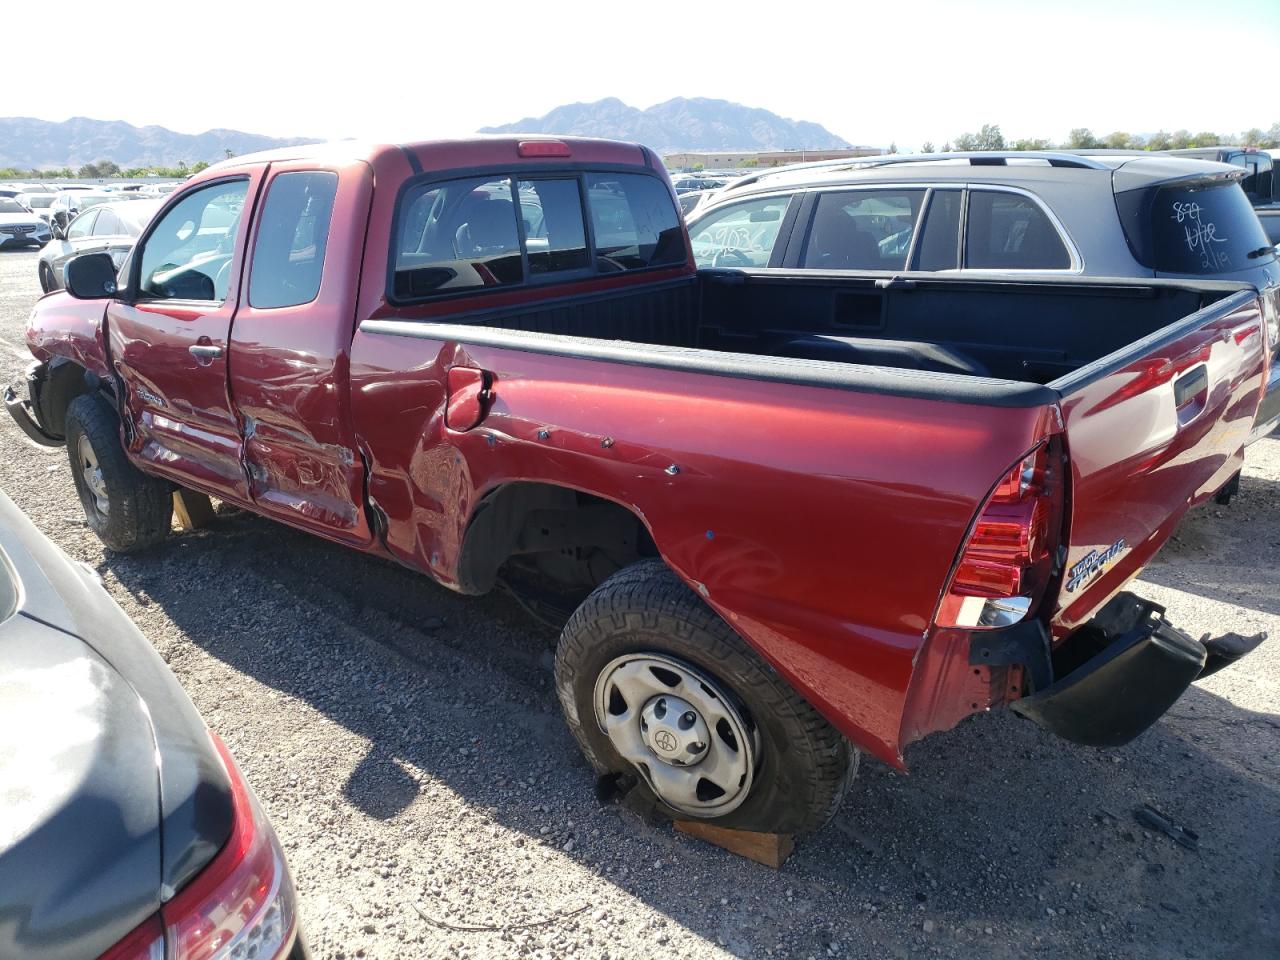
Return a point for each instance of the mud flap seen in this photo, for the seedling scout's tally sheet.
(1117, 693)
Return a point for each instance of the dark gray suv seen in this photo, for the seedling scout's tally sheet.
(1000, 212)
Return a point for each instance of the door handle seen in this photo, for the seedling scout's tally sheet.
(1191, 393)
(470, 396)
(205, 354)
(1190, 385)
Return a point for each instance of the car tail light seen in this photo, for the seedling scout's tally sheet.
(542, 148)
(1271, 316)
(144, 942)
(1007, 561)
(240, 907)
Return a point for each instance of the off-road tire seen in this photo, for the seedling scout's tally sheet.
(140, 507)
(804, 766)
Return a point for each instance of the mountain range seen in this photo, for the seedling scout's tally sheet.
(682, 124)
(28, 143)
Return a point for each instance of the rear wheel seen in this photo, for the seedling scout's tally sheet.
(128, 510)
(660, 690)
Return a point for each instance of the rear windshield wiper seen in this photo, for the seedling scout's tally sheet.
(1260, 252)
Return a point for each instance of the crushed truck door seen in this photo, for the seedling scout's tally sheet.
(291, 343)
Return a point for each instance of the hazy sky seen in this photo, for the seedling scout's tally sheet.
(904, 71)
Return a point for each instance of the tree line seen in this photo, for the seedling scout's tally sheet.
(1082, 138)
(102, 169)
(105, 169)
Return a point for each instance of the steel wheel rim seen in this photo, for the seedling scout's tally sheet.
(91, 473)
(643, 704)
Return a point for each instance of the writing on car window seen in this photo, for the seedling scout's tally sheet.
(741, 235)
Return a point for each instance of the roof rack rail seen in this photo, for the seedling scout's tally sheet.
(977, 158)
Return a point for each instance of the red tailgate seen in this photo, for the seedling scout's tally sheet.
(1151, 431)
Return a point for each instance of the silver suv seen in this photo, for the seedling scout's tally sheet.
(1000, 213)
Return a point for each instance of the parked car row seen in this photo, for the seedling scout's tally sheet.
(1012, 375)
(19, 226)
(69, 221)
(109, 225)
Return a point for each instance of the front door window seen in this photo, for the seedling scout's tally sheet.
(188, 254)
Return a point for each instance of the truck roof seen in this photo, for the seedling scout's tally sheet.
(479, 150)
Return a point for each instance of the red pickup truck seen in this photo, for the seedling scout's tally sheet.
(787, 517)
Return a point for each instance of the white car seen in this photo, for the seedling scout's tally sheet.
(38, 202)
(19, 227)
(158, 189)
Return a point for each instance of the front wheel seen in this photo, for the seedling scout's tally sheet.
(658, 688)
(47, 282)
(128, 510)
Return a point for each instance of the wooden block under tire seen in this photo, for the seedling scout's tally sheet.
(193, 510)
(771, 849)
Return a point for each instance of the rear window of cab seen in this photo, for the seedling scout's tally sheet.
(499, 231)
(1198, 228)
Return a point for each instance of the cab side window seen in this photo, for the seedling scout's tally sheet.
(1007, 231)
(740, 235)
(188, 255)
(288, 254)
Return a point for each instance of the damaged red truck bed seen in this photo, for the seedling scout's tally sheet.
(494, 361)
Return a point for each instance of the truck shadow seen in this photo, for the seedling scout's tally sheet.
(1002, 841)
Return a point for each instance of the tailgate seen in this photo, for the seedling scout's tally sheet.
(1151, 430)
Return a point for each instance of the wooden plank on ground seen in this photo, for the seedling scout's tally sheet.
(771, 849)
(193, 510)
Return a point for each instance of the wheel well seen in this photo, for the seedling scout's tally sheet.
(63, 382)
(549, 542)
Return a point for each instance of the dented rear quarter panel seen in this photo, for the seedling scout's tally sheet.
(821, 523)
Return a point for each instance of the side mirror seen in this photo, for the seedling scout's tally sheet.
(56, 229)
(91, 276)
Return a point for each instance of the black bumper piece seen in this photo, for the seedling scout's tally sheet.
(1144, 666)
(25, 418)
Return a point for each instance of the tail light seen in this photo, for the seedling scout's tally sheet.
(144, 942)
(543, 148)
(1008, 559)
(1271, 316)
(240, 907)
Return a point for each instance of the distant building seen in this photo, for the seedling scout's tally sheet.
(736, 160)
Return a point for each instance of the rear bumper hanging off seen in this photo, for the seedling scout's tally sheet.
(1140, 665)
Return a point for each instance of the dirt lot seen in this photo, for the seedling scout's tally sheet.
(408, 744)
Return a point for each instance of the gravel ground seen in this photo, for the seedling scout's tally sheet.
(408, 745)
